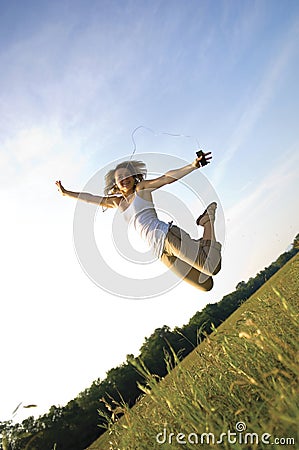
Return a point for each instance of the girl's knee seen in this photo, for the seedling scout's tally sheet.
(217, 268)
(207, 285)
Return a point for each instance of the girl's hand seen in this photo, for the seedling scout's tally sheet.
(60, 187)
(196, 163)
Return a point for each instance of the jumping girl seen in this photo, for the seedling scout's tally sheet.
(194, 260)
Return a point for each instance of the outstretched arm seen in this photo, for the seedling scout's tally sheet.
(108, 202)
(173, 175)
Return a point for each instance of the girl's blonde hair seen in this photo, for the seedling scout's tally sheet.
(137, 169)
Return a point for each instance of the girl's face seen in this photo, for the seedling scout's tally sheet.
(124, 180)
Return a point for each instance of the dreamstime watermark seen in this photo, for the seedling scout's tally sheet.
(111, 259)
(239, 436)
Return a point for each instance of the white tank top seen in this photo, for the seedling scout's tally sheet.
(142, 215)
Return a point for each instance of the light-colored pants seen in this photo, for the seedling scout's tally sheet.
(194, 260)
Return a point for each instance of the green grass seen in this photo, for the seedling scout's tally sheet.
(246, 371)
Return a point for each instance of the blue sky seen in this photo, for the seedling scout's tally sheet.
(76, 79)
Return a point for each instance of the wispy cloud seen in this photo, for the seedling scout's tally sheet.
(73, 88)
(283, 175)
(263, 94)
(261, 225)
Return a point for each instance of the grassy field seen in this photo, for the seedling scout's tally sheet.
(237, 390)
